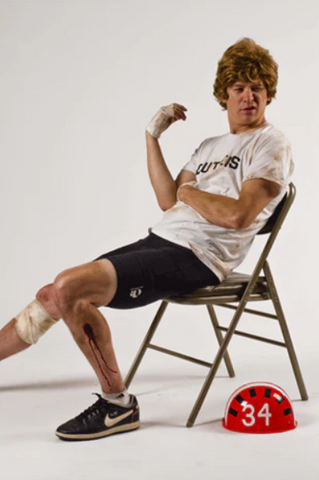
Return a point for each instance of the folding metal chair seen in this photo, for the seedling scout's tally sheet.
(238, 289)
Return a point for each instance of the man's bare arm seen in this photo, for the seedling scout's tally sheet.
(184, 176)
(228, 212)
(161, 179)
(164, 185)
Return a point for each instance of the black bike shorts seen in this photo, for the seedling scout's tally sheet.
(154, 268)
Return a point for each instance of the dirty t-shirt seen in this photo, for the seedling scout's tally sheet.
(222, 164)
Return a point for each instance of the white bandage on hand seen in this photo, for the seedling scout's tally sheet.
(33, 322)
(193, 183)
(164, 118)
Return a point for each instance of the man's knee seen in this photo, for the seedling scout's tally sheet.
(65, 296)
(70, 291)
(60, 297)
(47, 299)
(90, 283)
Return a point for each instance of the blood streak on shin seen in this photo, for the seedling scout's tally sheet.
(90, 334)
(88, 330)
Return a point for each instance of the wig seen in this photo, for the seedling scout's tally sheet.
(247, 62)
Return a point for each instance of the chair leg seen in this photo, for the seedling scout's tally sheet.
(219, 357)
(146, 341)
(220, 338)
(285, 332)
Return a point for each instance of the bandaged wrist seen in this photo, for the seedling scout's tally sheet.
(160, 122)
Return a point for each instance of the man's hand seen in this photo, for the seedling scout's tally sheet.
(164, 118)
(181, 190)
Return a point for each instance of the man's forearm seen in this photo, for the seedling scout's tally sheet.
(228, 212)
(161, 179)
(216, 209)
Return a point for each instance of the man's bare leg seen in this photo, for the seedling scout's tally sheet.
(10, 342)
(77, 293)
(73, 296)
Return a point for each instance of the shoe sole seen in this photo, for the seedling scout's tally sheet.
(92, 436)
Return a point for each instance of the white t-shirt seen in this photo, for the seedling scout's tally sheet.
(221, 165)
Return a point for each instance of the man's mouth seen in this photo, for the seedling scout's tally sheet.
(249, 109)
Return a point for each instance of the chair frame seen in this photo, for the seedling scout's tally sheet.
(241, 299)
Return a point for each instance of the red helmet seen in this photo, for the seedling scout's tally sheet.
(259, 407)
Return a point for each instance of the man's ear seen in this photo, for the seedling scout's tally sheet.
(224, 103)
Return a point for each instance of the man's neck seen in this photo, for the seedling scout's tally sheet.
(237, 129)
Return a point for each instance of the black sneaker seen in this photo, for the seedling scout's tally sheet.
(101, 419)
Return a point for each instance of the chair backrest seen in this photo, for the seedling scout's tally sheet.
(273, 226)
(267, 228)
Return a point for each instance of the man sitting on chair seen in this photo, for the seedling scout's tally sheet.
(221, 198)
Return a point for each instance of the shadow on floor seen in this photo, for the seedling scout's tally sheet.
(51, 384)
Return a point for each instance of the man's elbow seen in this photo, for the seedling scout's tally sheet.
(164, 206)
(241, 221)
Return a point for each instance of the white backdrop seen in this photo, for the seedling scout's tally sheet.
(79, 81)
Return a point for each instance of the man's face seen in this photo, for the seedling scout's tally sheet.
(246, 105)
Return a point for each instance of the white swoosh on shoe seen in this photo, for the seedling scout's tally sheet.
(110, 422)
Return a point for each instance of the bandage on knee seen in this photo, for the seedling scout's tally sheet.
(33, 322)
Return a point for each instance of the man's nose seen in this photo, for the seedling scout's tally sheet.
(248, 94)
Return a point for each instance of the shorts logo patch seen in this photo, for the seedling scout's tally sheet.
(136, 292)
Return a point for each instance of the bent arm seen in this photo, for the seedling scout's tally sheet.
(228, 212)
(161, 179)
(165, 187)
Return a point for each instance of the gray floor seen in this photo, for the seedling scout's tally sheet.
(51, 382)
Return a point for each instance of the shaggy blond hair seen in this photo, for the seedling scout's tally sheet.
(245, 61)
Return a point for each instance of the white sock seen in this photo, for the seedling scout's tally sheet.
(120, 398)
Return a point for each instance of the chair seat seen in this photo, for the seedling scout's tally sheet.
(230, 290)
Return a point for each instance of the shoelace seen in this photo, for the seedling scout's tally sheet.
(99, 405)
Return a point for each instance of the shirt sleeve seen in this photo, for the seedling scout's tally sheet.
(271, 160)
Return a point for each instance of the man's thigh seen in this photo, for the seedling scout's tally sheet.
(95, 282)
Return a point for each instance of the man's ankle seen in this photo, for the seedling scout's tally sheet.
(119, 398)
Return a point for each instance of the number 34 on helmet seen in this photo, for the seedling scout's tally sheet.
(259, 407)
